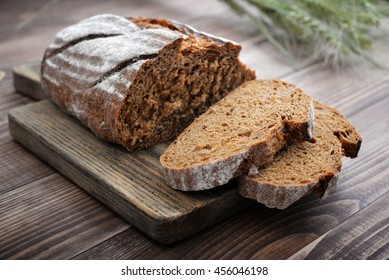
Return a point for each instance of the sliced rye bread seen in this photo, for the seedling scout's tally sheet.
(139, 81)
(237, 135)
(308, 167)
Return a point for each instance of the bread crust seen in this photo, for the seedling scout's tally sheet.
(281, 197)
(90, 69)
(203, 176)
(278, 196)
(217, 173)
(346, 133)
(96, 96)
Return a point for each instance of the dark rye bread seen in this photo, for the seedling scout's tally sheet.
(237, 135)
(341, 128)
(308, 167)
(138, 82)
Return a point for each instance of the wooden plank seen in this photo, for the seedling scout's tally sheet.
(53, 219)
(132, 184)
(27, 80)
(131, 242)
(364, 236)
(4, 134)
(4, 76)
(348, 92)
(19, 167)
(8, 101)
(365, 91)
(261, 233)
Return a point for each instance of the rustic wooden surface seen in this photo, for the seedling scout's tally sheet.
(43, 215)
(132, 184)
(27, 80)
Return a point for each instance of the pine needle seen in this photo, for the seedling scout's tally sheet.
(330, 30)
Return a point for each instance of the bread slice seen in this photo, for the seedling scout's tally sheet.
(237, 135)
(308, 167)
(139, 81)
(341, 127)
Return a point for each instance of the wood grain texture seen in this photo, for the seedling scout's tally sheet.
(365, 89)
(27, 80)
(349, 91)
(249, 234)
(52, 219)
(132, 184)
(262, 233)
(8, 99)
(364, 236)
(19, 167)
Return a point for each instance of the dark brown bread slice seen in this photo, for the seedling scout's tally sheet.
(237, 135)
(342, 128)
(139, 82)
(308, 167)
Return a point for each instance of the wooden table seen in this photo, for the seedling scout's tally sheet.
(43, 215)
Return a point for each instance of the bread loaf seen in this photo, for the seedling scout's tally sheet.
(308, 167)
(138, 82)
(237, 135)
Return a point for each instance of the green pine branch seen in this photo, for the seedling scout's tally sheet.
(333, 30)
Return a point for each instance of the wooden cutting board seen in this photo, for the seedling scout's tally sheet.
(131, 184)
